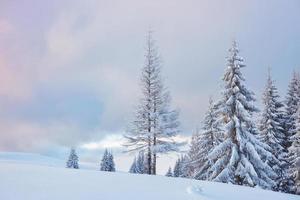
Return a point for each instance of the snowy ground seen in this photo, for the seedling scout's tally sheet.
(35, 177)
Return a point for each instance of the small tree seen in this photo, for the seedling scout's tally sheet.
(107, 162)
(73, 160)
(138, 165)
(180, 168)
(169, 172)
(133, 167)
(177, 168)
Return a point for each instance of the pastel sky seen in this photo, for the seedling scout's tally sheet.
(69, 69)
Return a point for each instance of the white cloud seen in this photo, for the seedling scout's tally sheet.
(111, 141)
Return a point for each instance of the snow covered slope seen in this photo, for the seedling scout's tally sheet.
(22, 180)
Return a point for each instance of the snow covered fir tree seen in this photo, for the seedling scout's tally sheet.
(138, 165)
(73, 160)
(271, 129)
(169, 172)
(203, 142)
(291, 106)
(294, 153)
(107, 162)
(291, 135)
(155, 124)
(240, 158)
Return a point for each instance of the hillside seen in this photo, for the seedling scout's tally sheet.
(31, 177)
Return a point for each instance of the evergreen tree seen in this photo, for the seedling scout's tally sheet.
(133, 167)
(177, 168)
(294, 154)
(138, 165)
(73, 160)
(180, 168)
(169, 172)
(291, 103)
(155, 123)
(193, 160)
(107, 162)
(272, 131)
(204, 142)
(239, 158)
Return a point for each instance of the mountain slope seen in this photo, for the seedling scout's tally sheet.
(24, 181)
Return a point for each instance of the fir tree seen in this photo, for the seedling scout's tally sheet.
(193, 161)
(294, 154)
(291, 103)
(73, 160)
(133, 167)
(107, 162)
(177, 168)
(204, 142)
(138, 165)
(272, 131)
(169, 172)
(155, 123)
(239, 158)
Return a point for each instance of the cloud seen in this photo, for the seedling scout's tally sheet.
(5, 26)
(14, 83)
(111, 141)
(94, 50)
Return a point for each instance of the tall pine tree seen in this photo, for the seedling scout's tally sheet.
(239, 158)
(155, 123)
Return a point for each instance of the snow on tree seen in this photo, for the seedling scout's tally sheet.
(291, 103)
(272, 131)
(169, 172)
(138, 165)
(73, 160)
(155, 124)
(203, 142)
(180, 168)
(193, 161)
(294, 154)
(107, 162)
(177, 168)
(133, 167)
(239, 158)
